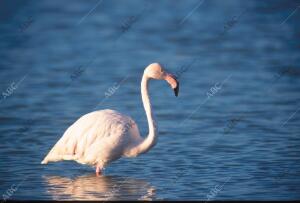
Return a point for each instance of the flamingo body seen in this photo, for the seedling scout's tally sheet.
(97, 138)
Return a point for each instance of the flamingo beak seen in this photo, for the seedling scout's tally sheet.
(176, 90)
(172, 80)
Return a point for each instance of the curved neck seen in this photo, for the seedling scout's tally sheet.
(150, 140)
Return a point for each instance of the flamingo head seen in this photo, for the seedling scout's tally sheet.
(155, 71)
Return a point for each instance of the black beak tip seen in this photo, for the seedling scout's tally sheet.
(176, 90)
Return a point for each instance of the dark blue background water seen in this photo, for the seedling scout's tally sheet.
(233, 133)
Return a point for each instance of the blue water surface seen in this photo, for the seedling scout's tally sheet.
(232, 134)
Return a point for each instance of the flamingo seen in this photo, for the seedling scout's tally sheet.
(103, 136)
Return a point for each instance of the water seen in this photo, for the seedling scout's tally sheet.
(233, 132)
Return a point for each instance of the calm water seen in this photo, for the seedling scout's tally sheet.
(234, 127)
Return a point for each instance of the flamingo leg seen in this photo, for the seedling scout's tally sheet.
(98, 171)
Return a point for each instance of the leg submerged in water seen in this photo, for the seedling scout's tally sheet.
(98, 171)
